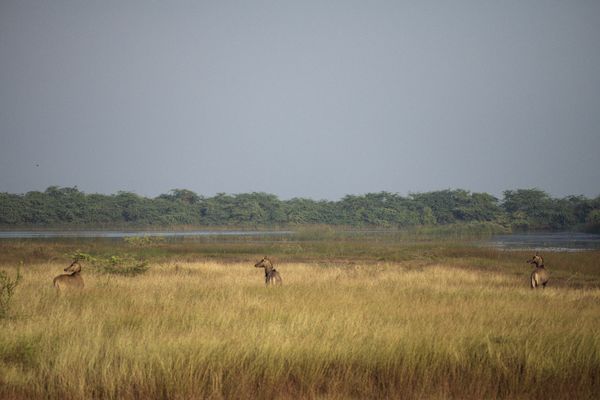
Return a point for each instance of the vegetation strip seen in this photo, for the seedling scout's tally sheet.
(519, 209)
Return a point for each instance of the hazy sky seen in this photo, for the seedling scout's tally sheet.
(300, 98)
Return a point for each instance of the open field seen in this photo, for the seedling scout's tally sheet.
(368, 318)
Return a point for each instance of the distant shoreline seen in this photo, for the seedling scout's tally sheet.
(49, 234)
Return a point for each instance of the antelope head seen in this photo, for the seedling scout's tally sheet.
(74, 267)
(537, 260)
(264, 263)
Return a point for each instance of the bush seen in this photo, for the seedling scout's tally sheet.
(7, 289)
(117, 265)
(124, 265)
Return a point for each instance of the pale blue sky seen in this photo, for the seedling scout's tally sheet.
(300, 98)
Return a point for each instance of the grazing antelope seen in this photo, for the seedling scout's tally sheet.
(71, 280)
(271, 273)
(539, 276)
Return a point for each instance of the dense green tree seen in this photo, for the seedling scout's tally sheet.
(181, 195)
(451, 206)
(535, 209)
(522, 209)
(11, 209)
(427, 216)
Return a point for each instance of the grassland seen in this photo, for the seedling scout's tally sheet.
(357, 317)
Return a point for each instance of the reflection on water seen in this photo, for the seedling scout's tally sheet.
(547, 241)
(122, 234)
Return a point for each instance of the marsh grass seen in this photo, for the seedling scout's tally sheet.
(415, 329)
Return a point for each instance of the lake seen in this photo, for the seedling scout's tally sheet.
(547, 241)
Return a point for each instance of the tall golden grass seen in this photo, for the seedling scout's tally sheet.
(339, 330)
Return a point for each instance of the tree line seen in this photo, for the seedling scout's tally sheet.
(522, 209)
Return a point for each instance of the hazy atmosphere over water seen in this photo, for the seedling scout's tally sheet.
(300, 98)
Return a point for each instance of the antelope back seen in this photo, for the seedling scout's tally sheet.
(273, 277)
(70, 280)
(65, 281)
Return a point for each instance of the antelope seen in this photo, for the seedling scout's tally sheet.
(271, 274)
(539, 276)
(71, 280)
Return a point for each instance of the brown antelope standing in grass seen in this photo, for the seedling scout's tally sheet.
(271, 274)
(71, 280)
(539, 276)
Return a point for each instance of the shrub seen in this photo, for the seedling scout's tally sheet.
(117, 265)
(124, 265)
(7, 289)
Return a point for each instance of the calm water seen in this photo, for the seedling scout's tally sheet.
(123, 234)
(548, 241)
